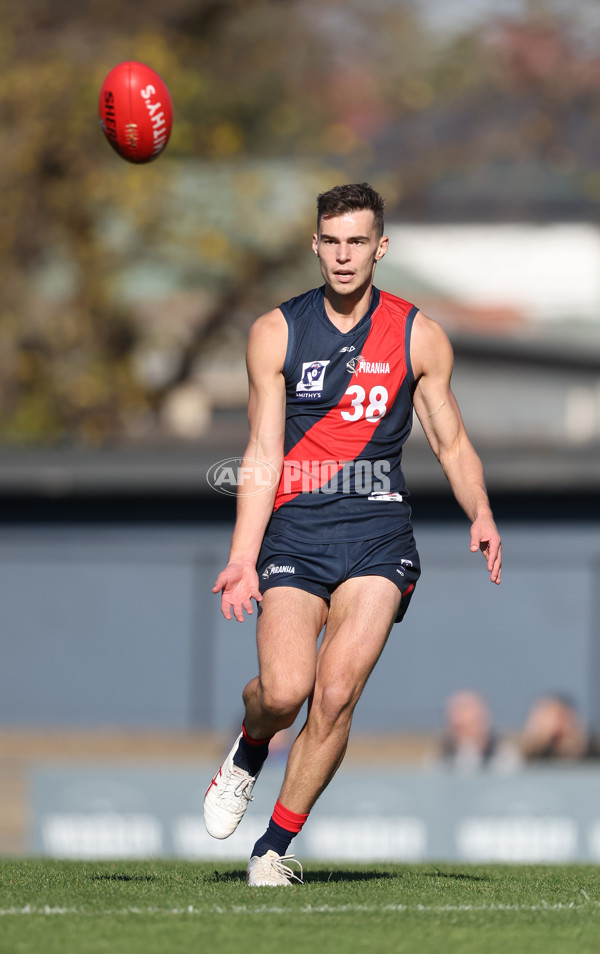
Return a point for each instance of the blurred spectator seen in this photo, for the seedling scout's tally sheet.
(469, 741)
(554, 730)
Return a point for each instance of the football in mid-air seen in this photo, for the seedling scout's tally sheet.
(136, 113)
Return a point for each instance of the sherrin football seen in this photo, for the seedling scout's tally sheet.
(136, 113)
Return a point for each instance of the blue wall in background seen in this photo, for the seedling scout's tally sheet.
(117, 626)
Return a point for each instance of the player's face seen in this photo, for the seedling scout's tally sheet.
(348, 249)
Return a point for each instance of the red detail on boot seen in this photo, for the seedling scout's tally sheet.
(291, 821)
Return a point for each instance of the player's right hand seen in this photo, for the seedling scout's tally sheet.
(238, 586)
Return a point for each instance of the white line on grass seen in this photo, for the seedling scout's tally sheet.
(50, 911)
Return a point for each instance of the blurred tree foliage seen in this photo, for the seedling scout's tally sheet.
(117, 281)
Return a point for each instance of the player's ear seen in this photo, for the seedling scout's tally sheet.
(315, 244)
(382, 247)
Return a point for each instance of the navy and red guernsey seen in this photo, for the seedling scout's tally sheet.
(348, 414)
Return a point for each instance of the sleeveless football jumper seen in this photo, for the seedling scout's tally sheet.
(348, 414)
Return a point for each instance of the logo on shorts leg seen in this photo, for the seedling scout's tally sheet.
(274, 569)
(404, 564)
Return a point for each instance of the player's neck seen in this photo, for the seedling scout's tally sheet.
(345, 311)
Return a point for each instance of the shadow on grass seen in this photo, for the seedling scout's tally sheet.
(224, 876)
(454, 875)
(332, 876)
(123, 877)
(322, 876)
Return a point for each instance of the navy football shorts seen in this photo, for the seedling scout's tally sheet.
(319, 568)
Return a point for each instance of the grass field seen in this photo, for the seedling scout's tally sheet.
(51, 907)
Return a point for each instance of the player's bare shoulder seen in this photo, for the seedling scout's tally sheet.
(267, 341)
(430, 348)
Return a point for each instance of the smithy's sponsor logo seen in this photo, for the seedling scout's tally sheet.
(247, 477)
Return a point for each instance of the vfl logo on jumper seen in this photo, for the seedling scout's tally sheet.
(310, 385)
(404, 564)
(273, 569)
(367, 367)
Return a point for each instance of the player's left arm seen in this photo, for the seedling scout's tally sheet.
(439, 414)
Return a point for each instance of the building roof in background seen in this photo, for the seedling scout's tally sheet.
(536, 273)
(521, 304)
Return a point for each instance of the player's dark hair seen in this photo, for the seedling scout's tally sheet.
(351, 198)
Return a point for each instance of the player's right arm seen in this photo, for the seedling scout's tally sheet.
(265, 356)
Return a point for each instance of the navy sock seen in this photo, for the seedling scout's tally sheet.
(275, 838)
(251, 758)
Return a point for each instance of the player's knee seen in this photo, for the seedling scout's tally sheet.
(335, 703)
(283, 702)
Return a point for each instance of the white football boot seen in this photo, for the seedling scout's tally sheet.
(269, 871)
(227, 797)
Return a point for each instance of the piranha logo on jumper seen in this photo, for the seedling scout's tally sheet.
(373, 367)
(360, 366)
(353, 363)
(272, 569)
(310, 385)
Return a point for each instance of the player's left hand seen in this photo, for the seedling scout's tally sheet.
(238, 585)
(485, 537)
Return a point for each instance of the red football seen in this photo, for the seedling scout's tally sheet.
(136, 113)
